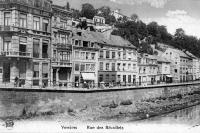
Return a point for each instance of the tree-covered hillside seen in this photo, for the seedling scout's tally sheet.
(141, 34)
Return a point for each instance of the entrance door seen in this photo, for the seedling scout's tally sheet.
(54, 76)
(6, 72)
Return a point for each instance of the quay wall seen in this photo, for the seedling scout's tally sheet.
(12, 103)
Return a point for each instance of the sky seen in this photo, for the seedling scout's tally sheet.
(171, 13)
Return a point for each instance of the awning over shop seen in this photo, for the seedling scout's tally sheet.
(88, 76)
(169, 76)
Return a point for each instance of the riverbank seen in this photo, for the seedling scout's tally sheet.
(121, 111)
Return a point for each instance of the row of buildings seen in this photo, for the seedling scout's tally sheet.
(41, 46)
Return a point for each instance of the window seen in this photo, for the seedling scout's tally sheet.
(175, 70)
(54, 54)
(82, 67)
(93, 56)
(144, 70)
(118, 66)
(119, 55)
(100, 78)
(36, 23)
(113, 66)
(45, 70)
(129, 78)
(63, 40)
(36, 48)
(124, 67)
(77, 67)
(36, 70)
(113, 55)
(124, 78)
(45, 25)
(45, 49)
(77, 55)
(76, 42)
(134, 67)
(107, 66)
(22, 46)
(92, 45)
(129, 66)
(85, 44)
(129, 56)
(23, 20)
(82, 55)
(87, 55)
(7, 18)
(101, 66)
(118, 78)
(124, 54)
(107, 54)
(65, 56)
(22, 70)
(62, 23)
(107, 77)
(7, 44)
(37, 3)
(101, 54)
(88, 67)
(92, 67)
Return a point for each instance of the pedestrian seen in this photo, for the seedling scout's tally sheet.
(16, 81)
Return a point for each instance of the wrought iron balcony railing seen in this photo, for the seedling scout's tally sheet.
(16, 54)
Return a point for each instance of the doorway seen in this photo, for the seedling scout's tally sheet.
(6, 72)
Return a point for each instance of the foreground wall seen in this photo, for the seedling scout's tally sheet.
(13, 103)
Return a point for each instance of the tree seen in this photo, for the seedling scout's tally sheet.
(82, 25)
(142, 30)
(134, 17)
(75, 14)
(165, 37)
(88, 11)
(179, 33)
(68, 6)
(105, 12)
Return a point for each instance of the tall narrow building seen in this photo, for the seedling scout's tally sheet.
(61, 47)
(25, 38)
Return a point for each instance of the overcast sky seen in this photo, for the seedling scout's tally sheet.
(171, 13)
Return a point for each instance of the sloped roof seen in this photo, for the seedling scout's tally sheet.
(119, 41)
(181, 53)
(191, 55)
(114, 40)
(162, 59)
(100, 38)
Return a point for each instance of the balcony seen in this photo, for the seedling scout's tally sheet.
(59, 25)
(7, 28)
(61, 64)
(16, 54)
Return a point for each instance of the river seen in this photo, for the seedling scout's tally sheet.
(189, 116)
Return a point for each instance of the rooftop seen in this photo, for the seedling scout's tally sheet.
(181, 53)
(100, 38)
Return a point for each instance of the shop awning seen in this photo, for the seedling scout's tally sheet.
(88, 76)
(169, 76)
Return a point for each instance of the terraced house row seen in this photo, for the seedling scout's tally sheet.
(40, 45)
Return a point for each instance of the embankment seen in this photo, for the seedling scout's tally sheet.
(114, 105)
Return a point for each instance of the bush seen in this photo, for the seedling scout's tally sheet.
(126, 102)
(179, 96)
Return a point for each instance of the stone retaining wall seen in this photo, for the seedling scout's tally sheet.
(12, 103)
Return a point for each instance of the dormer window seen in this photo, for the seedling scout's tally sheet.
(92, 45)
(85, 44)
(79, 33)
(76, 42)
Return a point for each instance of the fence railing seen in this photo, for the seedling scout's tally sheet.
(64, 85)
(16, 54)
